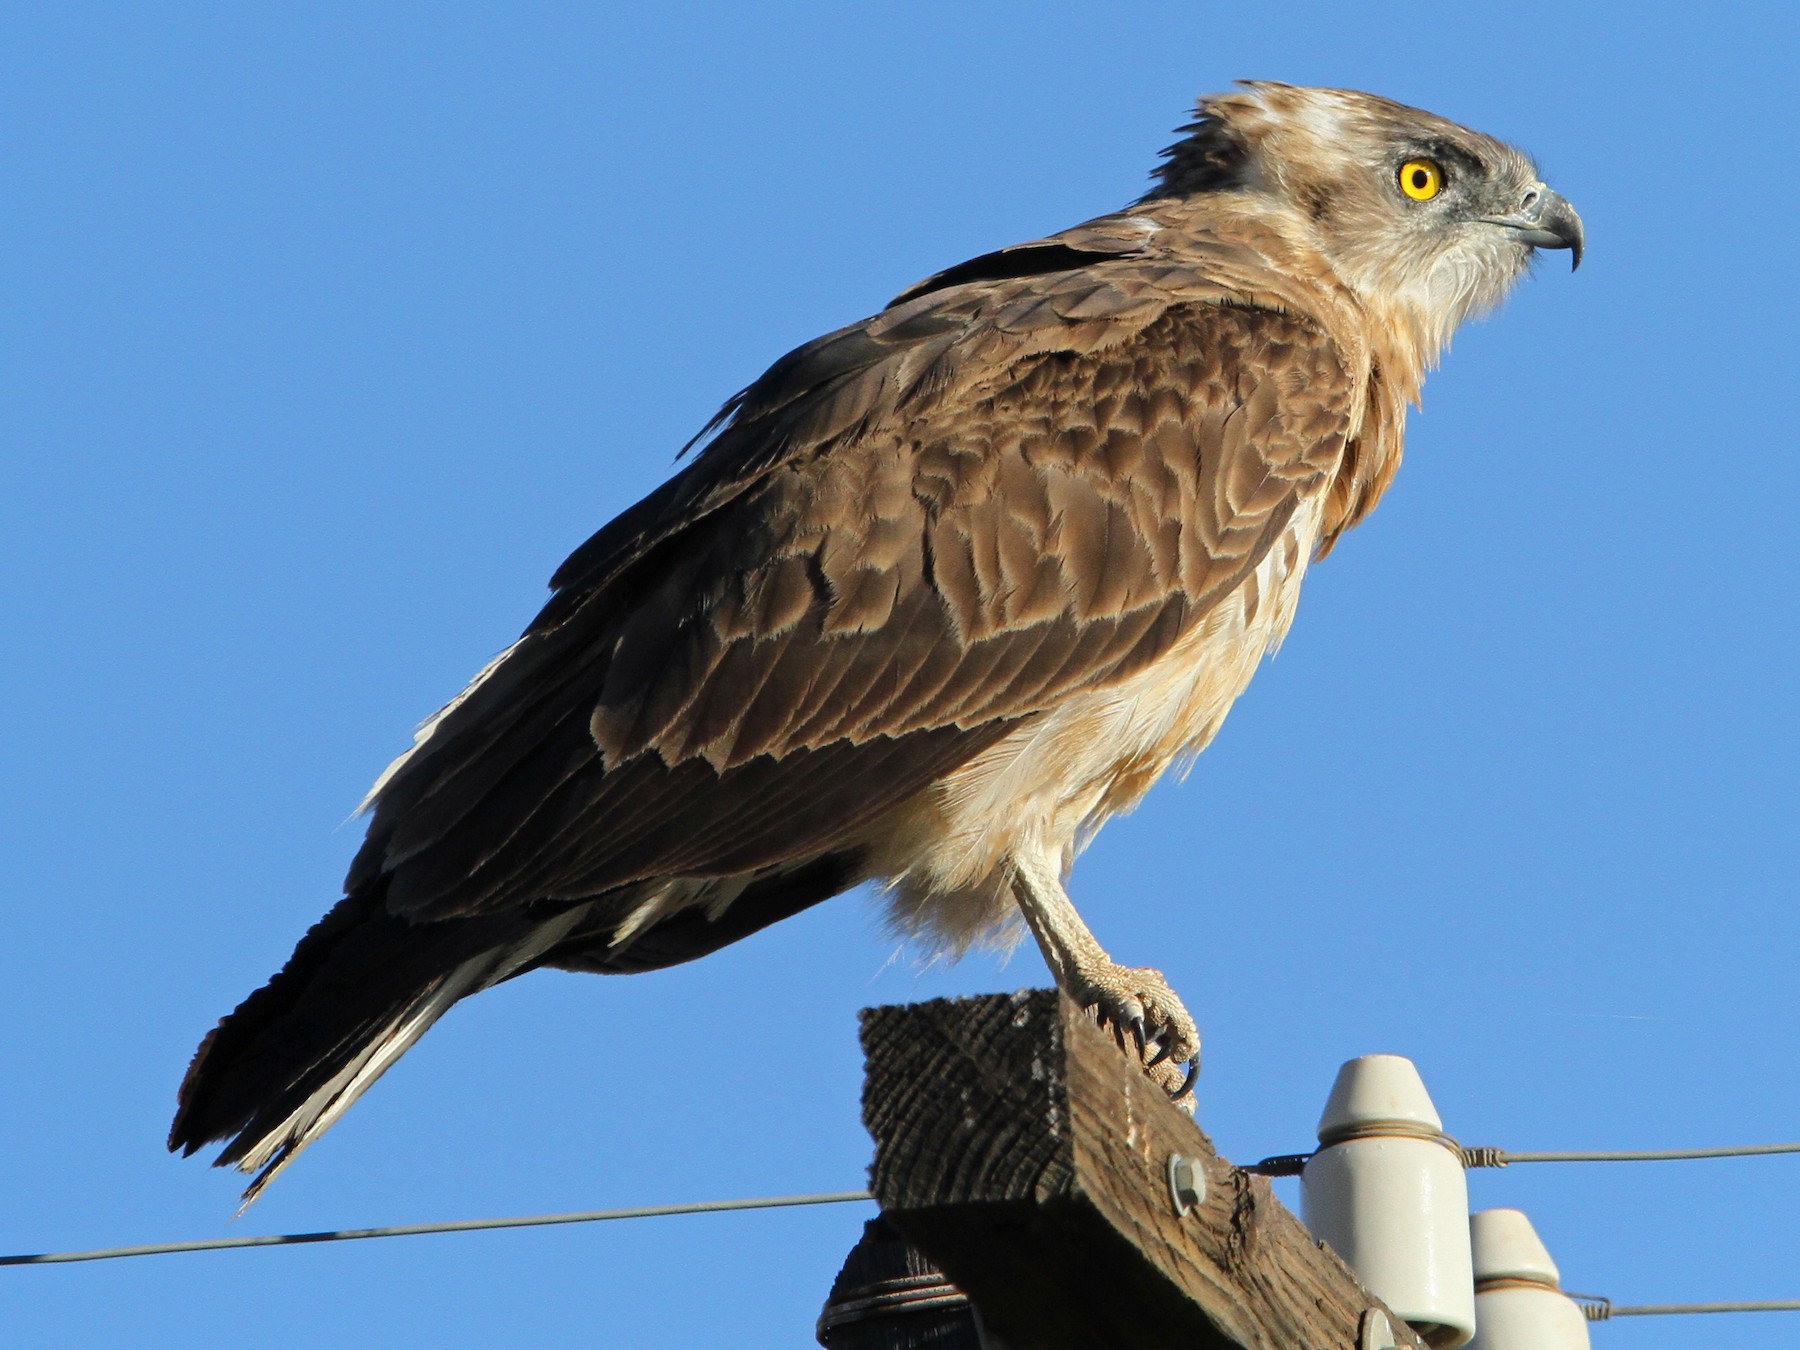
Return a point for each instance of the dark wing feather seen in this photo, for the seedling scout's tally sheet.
(909, 537)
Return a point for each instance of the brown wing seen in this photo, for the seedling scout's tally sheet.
(907, 538)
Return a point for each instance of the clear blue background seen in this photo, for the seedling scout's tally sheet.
(329, 329)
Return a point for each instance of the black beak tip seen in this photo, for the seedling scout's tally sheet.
(1565, 223)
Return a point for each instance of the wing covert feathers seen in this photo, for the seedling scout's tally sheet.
(908, 537)
(1029, 477)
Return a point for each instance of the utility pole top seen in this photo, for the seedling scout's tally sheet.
(1078, 1208)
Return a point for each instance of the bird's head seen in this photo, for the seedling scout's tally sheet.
(1427, 222)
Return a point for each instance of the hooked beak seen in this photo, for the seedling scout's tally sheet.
(1545, 220)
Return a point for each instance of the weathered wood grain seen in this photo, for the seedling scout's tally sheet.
(1027, 1156)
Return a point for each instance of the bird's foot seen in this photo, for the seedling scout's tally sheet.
(1144, 1015)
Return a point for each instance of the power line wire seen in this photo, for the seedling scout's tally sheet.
(1598, 1309)
(1292, 1164)
(1650, 1155)
(416, 1229)
(1595, 1307)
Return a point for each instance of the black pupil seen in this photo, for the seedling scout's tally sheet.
(1421, 179)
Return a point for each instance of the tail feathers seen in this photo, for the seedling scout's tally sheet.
(268, 1154)
(360, 989)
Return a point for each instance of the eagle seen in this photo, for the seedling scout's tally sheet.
(936, 596)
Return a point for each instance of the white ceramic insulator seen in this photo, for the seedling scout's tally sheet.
(1395, 1207)
(1518, 1302)
(1528, 1319)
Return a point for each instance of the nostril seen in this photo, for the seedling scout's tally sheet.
(1529, 200)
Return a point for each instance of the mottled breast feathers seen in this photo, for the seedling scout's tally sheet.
(1029, 477)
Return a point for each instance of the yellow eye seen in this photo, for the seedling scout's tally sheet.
(1421, 179)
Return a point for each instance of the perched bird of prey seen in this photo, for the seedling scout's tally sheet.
(942, 592)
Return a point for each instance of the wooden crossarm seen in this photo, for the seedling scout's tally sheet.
(1025, 1154)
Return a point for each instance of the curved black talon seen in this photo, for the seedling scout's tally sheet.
(1163, 1051)
(1193, 1076)
(1136, 1026)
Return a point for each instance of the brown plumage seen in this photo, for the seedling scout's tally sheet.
(943, 590)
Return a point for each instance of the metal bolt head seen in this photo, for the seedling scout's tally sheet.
(1187, 1183)
(1377, 1331)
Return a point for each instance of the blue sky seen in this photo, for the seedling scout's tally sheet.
(330, 329)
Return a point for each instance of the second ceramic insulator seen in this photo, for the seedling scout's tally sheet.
(1519, 1302)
